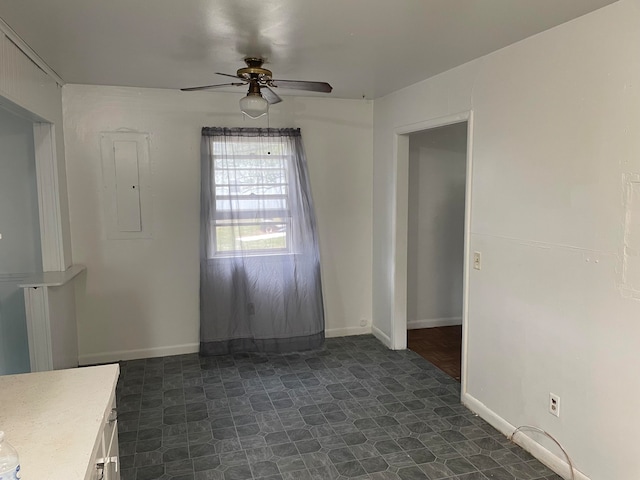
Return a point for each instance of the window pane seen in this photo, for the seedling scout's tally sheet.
(259, 191)
(250, 177)
(238, 190)
(250, 184)
(237, 161)
(262, 146)
(269, 235)
(250, 204)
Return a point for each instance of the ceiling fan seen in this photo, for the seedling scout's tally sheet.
(261, 84)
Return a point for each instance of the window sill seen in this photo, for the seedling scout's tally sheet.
(273, 256)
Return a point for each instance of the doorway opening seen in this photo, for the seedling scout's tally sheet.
(20, 244)
(435, 244)
(431, 245)
(31, 236)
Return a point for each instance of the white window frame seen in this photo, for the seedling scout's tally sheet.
(257, 216)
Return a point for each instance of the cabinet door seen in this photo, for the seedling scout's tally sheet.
(112, 458)
(96, 468)
(110, 442)
(115, 453)
(96, 474)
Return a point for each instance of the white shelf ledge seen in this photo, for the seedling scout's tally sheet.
(52, 279)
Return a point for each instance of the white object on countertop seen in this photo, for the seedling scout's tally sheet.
(56, 419)
(9, 462)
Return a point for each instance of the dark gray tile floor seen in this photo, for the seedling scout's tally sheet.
(353, 409)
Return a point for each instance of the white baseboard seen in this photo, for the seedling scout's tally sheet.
(434, 322)
(109, 357)
(346, 331)
(551, 460)
(380, 335)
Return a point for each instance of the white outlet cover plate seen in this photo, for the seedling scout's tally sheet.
(554, 400)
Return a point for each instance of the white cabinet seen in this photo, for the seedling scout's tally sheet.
(63, 418)
(107, 459)
(96, 474)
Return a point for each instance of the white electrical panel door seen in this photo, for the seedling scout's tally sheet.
(126, 185)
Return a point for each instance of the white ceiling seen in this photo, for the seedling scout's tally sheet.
(361, 47)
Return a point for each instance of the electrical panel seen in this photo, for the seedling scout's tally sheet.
(126, 185)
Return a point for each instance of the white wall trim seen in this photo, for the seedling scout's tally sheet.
(48, 198)
(110, 357)
(380, 335)
(29, 52)
(434, 322)
(346, 331)
(466, 265)
(36, 304)
(400, 243)
(550, 459)
(434, 123)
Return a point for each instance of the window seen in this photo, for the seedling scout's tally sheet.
(260, 286)
(251, 203)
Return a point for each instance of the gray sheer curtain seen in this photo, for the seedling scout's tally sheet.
(260, 286)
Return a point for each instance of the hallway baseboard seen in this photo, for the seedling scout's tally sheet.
(383, 337)
(434, 322)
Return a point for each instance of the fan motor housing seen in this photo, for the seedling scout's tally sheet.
(254, 70)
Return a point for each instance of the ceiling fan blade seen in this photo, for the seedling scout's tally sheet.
(228, 75)
(209, 87)
(270, 96)
(301, 85)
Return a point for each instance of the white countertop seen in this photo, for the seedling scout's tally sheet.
(53, 419)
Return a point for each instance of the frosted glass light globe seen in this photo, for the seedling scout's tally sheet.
(254, 105)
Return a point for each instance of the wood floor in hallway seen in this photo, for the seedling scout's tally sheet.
(441, 346)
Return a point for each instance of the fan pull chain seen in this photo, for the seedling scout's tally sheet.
(268, 131)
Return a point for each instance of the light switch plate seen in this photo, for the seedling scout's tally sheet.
(477, 260)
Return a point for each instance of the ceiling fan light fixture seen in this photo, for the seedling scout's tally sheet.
(253, 105)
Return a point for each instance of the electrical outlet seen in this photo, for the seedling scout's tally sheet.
(554, 404)
(477, 260)
(364, 322)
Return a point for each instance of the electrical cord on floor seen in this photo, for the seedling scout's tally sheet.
(539, 430)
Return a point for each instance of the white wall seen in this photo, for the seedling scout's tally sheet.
(556, 122)
(141, 296)
(435, 249)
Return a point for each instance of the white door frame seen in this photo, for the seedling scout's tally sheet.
(51, 236)
(400, 223)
